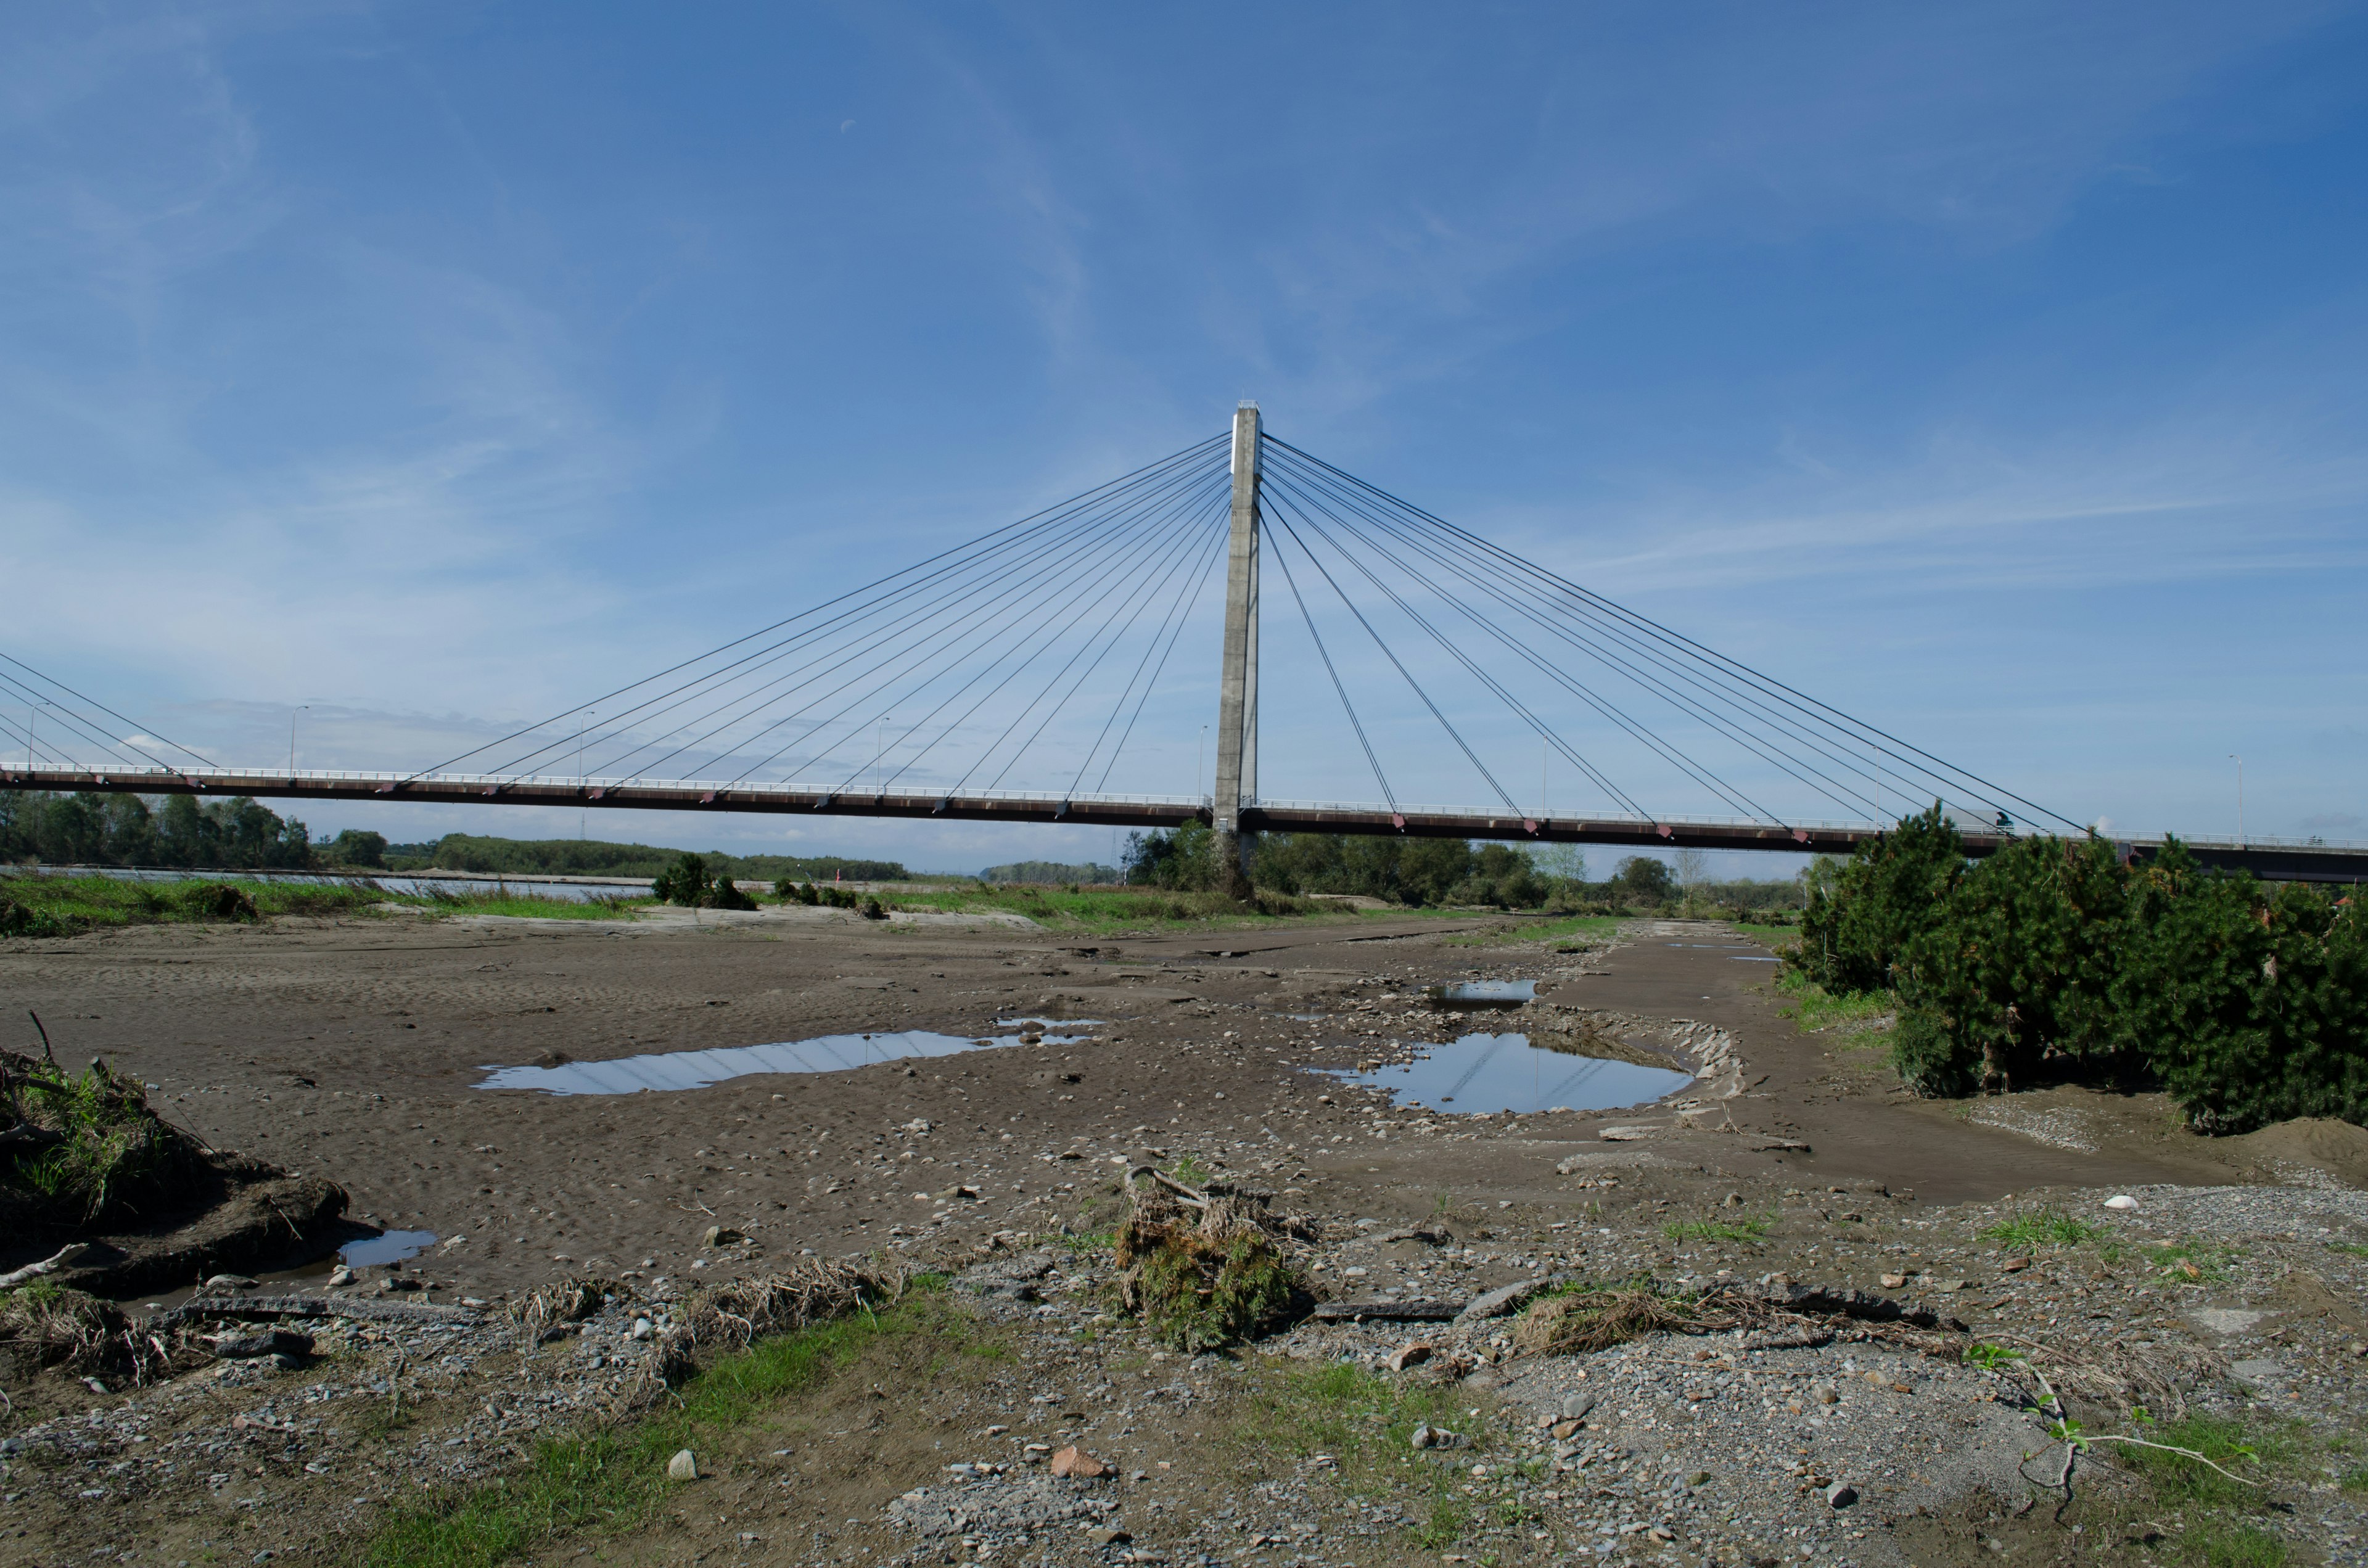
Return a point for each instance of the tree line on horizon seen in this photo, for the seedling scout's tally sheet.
(240, 833)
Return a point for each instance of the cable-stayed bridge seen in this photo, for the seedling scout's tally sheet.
(1049, 670)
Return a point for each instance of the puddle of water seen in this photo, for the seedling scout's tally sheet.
(1043, 1021)
(698, 1069)
(1470, 994)
(1505, 1072)
(1713, 947)
(392, 1247)
(1753, 958)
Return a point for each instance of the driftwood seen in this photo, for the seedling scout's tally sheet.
(1387, 1311)
(63, 1258)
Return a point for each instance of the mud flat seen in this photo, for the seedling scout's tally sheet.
(368, 1053)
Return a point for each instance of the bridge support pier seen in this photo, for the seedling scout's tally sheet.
(1236, 783)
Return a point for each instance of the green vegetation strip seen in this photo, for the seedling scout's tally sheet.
(1365, 1423)
(614, 1479)
(1812, 1006)
(59, 906)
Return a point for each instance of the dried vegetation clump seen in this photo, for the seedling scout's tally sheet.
(732, 1315)
(45, 1324)
(1208, 1267)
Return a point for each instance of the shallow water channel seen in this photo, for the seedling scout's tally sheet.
(670, 1070)
(1497, 1072)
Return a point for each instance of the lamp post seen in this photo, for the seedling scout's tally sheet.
(2241, 796)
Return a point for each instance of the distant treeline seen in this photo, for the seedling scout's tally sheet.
(89, 829)
(129, 829)
(1050, 873)
(591, 857)
(1449, 872)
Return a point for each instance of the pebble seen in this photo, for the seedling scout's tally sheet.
(683, 1466)
(1839, 1495)
(2121, 1200)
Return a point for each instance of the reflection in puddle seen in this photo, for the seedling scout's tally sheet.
(1044, 1021)
(389, 1246)
(698, 1069)
(1472, 993)
(1505, 1072)
(1753, 958)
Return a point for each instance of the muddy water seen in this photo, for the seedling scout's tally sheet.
(672, 1070)
(1495, 1073)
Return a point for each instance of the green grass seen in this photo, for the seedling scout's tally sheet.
(1812, 1006)
(2051, 1228)
(1365, 1422)
(614, 1479)
(2173, 1261)
(2255, 1453)
(1715, 1230)
(2350, 1249)
(57, 906)
(1602, 927)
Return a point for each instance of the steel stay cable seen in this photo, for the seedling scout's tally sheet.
(71, 720)
(1175, 531)
(1858, 731)
(103, 708)
(1342, 692)
(1755, 744)
(1071, 517)
(1180, 607)
(879, 637)
(39, 753)
(947, 649)
(1287, 491)
(1148, 598)
(1600, 780)
(1216, 554)
(1770, 749)
(957, 589)
(1621, 632)
(1148, 548)
(1391, 655)
(1033, 521)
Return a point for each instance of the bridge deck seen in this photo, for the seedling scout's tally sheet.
(2278, 861)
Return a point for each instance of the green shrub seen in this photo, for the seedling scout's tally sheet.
(2248, 1002)
(689, 882)
(1863, 913)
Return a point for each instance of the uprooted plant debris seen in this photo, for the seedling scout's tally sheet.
(734, 1314)
(83, 1152)
(1208, 1267)
(49, 1325)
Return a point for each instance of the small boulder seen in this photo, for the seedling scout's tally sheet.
(2121, 1202)
(1072, 1464)
(682, 1467)
(225, 1283)
(1407, 1356)
(1840, 1495)
(721, 1236)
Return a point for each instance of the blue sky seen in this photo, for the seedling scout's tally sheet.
(1993, 374)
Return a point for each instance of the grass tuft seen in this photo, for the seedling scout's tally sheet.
(1812, 1008)
(2049, 1227)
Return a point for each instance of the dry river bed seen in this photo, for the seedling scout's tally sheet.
(353, 1050)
